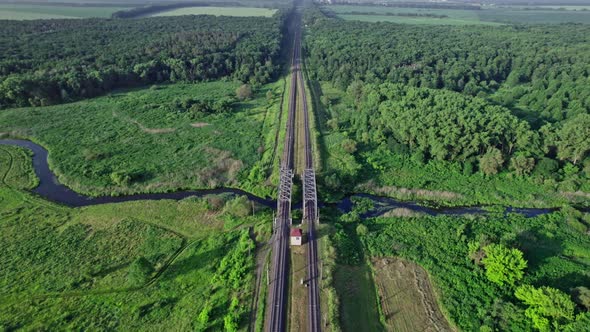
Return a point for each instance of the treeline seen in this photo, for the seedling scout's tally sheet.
(542, 70)
(46, 62)
(152, 9)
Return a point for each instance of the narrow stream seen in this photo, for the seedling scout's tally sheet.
(50, 189)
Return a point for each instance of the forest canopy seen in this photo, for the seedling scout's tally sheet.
(46, 62)
(493, 99)
(544, 70)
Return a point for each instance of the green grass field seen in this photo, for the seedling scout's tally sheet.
(487, 16)
(35, 11)
(144, 265)
(536, 16)
(144, 136)
(389, 14)
(358, 299)
(218, 11)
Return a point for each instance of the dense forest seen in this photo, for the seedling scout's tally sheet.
(490, 99)
(46, 62)
(546, 68)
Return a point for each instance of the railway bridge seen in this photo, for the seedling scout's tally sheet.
(277, 313)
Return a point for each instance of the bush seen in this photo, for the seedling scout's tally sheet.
(244, 92)
(546, 168)
(139, 272)
(491, 162)
(121, 178)
(503, 265)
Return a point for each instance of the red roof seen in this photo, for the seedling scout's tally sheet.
(296, 232)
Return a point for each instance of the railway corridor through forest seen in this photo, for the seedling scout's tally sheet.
(297, 156)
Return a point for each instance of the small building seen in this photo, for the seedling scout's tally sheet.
(296, 237)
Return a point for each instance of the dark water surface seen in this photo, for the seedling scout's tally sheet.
(49, 188)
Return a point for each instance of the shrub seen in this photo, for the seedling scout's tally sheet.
(139, 272)
(244, 92)
(503, 265)
(121, 178)
(491, 162)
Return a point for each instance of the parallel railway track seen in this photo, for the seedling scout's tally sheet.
(277, 291)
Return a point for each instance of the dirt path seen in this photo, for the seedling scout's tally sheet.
(144, 128)
(407, 298)
(262, 250)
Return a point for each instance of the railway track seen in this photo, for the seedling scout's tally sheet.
(282, 222)
(280, 258)
(310, 210)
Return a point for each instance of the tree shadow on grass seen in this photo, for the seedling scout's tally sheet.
(567, 281)
(538, 247)
(191, 263)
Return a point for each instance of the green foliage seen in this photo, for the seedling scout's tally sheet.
(362, 230)
(555, 254)
(362, 204)
(506, 65)
(244, 92)
(527, 117)
(503, 265)
(347, 246)
(233, 268)
(491, 162)
(147, 140)
(582, 296)
(93, 57)
(121, 178)
(238, 207)
(548, 308)
(142, 264)
(139, 272)
(522, 165)
(573, 141)
(16, 168)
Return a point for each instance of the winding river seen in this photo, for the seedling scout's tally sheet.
(50, 189)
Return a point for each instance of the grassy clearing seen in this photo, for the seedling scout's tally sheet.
(408, 15)
(486, 16)
(218, 11)
(149, 265)
(39, 11)
(534, 16)
(406, 297)
(299, 293)
(139, 141)
(358, 302)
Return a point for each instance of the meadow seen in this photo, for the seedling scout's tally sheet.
(449, 249)
(218, 11)
(407, 15)
(486, 16)
(39, 11)
(144, 265)
(153, 140)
